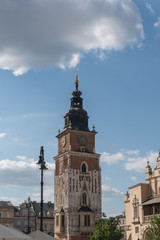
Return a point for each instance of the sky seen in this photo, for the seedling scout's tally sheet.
(116, 46)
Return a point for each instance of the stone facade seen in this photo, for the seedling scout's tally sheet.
(142, 203)
(48, 217)
(77, 181)
(27, 217)
(6, 213)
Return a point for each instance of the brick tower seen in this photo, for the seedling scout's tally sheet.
(77, 180)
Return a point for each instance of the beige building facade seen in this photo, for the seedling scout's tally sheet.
(77, 181)
(142, 203)
(6, 213)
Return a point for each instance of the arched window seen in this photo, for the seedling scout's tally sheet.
(84, 169)
(84, 199)
(61, 169)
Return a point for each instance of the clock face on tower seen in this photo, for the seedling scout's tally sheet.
(82, 139)
(63, 141)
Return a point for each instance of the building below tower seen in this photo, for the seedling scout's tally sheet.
(142, 203)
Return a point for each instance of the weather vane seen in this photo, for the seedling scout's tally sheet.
(76, 81)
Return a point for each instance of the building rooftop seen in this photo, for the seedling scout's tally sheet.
(6, 204)
(46, 207)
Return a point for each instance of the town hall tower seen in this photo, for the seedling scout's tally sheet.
(77, 180)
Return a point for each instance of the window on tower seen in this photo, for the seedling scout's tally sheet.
(62, 220)
(84, 198)
(57, 220)
(86, 220)
(82, 149)
(84, 169)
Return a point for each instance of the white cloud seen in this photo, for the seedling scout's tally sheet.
(11, 199)
(107, 178)
(23, 158)
(157, 24)
(2, 134)
(24, 172)
(40, 34)
(139, 163)
(48, 194)
(131, 152)
(108, 193)
(149, 7)
(134, 179)
(132, 159)
(112, 158)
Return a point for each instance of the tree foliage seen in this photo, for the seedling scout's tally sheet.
(153, 231)
(107, 229)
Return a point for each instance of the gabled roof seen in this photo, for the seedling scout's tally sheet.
(85, 209)
(46, 207)
(6, 204)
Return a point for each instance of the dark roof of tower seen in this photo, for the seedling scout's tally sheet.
(85, 209)
(76, 117)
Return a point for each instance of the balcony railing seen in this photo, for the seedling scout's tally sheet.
(147, 219)
(136, 220)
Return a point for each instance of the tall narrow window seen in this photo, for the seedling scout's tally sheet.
(86, 220)
(84, 199)
(62, 220)
(57, 220)
(135, 211)
(79, 220)
(84, 167)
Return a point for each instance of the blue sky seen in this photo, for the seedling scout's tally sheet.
(116, 46)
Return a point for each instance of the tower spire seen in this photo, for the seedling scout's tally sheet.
(76, 81)
(76, 117)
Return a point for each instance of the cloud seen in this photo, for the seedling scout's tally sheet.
(2, 134)
(139, 163)
(108, 193)
(48, 194)
(112, 158)
(41, 34)
(23, 172)
(134, 179)
(157, 24)
(11, 199)
(132, 159)
(131, 152)
(149, 7)
(107, 178)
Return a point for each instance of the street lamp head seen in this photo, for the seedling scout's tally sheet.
(41, 157)
(43, 166)
(41, 160)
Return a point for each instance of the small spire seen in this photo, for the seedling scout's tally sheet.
(76, 81)
(147, 162)
(93, 128)
(59, 131)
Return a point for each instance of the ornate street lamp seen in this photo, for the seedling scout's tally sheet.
(42, 167)
(28, 205)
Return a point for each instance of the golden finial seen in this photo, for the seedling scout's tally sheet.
(76, 81)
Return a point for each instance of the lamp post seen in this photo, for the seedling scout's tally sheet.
(42, 167)
(28, 205)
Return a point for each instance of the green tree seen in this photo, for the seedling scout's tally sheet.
(153, 231)
(107, 229)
